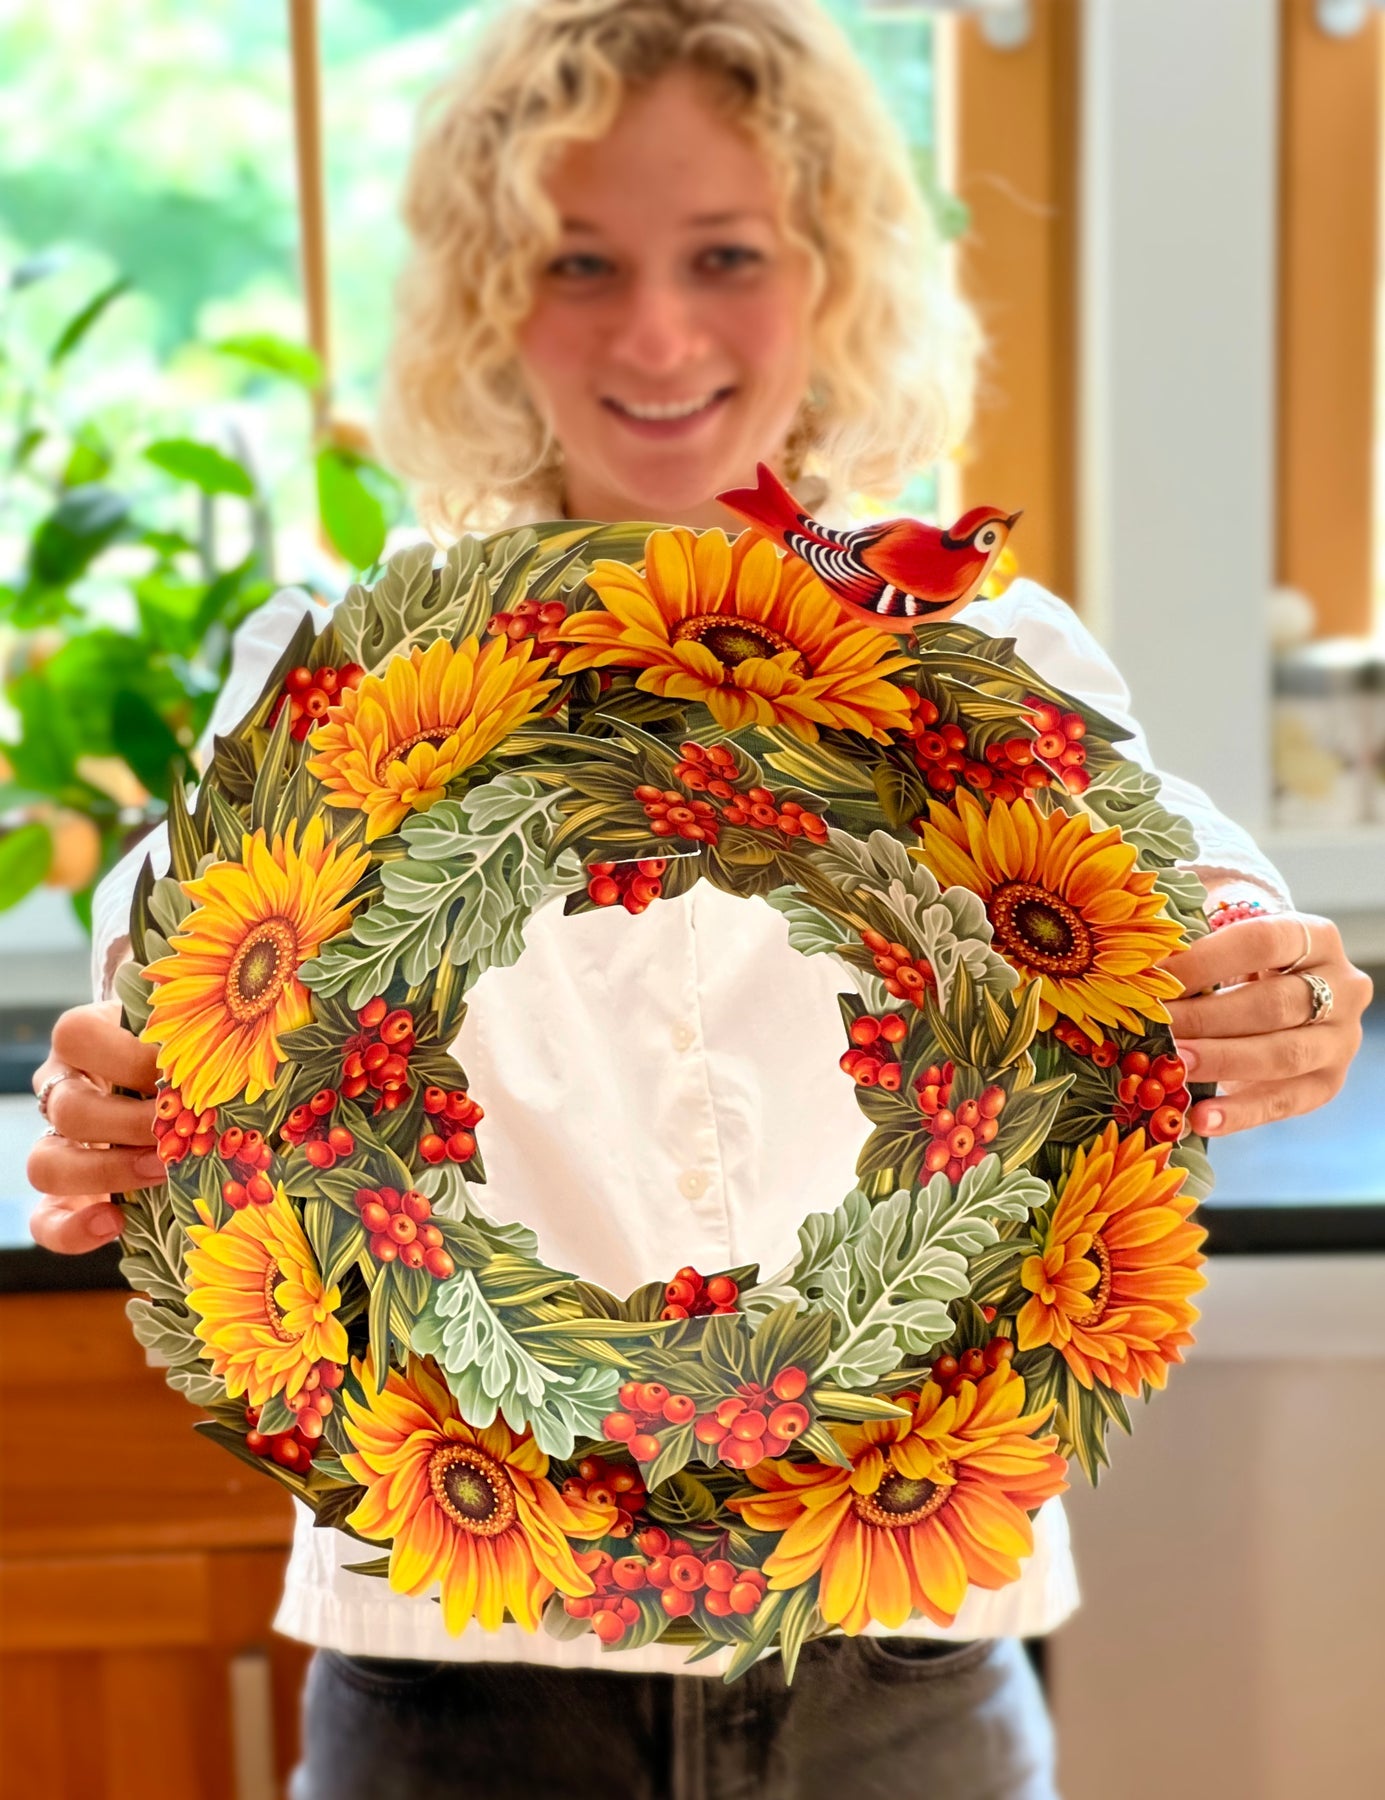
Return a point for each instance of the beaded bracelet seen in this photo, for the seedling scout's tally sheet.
(1229, 912)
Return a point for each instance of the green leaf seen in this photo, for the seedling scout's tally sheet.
(490, 1371)
(276, 355)
(888, 1271)
(1128, 796)
(476, 872)
(80, 526)
(413, 604)
(206, 468)
(352, 515)
(81, 323)
(146, 743)
(26, 854)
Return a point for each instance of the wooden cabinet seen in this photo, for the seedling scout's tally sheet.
(140, 1569)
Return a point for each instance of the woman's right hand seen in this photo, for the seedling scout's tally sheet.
(105, 1141)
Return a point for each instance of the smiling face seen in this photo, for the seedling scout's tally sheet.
(668, 344)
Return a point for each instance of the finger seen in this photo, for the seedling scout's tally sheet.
(1278, 1003)
(75, 1224)
(1262, 1102)
(59, 1167)
(89, 1038)
(1250, 946)
(1271, 1056)
(80, 1111)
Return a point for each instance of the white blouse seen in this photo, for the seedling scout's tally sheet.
(664, 1090)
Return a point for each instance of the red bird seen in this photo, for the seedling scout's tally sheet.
(892, 574)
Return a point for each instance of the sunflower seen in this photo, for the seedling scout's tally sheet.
(469, 1508)
(231, 989)
(265, 1317)
(390, 746)
(1111, 1278)
(1069, 907)
(752, 635)
(930, 1503)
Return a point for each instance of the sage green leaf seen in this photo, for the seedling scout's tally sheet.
(477, 870)
(888, 1271)
(1128, 796)
(490, 1371)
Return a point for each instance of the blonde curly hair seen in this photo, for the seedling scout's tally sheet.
(894, 348)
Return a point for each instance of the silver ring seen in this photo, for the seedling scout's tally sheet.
(81, 1143)
(1323, 996)
(1296, 966)
(49, 1085)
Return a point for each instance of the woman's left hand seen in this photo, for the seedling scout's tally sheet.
(1253, 1036)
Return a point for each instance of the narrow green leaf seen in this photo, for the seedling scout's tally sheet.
(26, 854)
(276, 355)
(352, 516)
(187, 460)
(81, 323)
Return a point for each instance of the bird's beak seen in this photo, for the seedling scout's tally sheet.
(1014, 519)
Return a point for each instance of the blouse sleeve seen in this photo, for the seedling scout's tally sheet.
(1050, 637)
(258, 645)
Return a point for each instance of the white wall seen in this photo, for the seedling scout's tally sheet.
(1176, 492)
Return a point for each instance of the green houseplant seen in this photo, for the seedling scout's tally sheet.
(106, 698)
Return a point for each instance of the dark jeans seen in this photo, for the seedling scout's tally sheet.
(865, 1719)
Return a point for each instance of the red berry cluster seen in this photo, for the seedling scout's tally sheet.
(601, 1484)
(944, 755)
(689, 1295)
(1153, 1093)
(1059, 743)
(1104, 1055)
(951, 1371)
(293, 1449)
(180, 1131)
(672, 814)
(961, 1134)
(308, 693)
(451, 1115)
(636, 885)
(309, 1128)
(399, 1229)
(906, 976)
(249, 1158)
(755, 1421)
(536, 619)
(671, 1567)
(870, 1062)
(377, 1056)
(646, 1406)
(711, 768)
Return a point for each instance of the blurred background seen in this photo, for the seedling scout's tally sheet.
(1168, 214)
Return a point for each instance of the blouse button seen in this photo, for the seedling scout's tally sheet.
(683, 1037)
(692, 1183)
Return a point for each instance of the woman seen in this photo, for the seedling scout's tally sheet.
(655, 242)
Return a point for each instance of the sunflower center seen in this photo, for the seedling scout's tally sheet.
(261, 969)
(901, 1500)
(1041, 929)
(734, 640)
(436, 735)
(274, 1316)
(1100, 1296)
(473, 1489)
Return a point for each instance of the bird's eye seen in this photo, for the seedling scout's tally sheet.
(988, 537)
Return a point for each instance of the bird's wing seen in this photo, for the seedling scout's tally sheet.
(835, 558)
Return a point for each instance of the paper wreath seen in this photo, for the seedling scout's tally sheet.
(607, 714)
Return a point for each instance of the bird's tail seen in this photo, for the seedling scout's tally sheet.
(769, 505)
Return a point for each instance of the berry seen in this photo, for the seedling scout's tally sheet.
(789, 1383)
(687, 1573)
(644, 1447)
(789, 1420)
(744, 1597)
(619, 1426)
(677, 1602)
